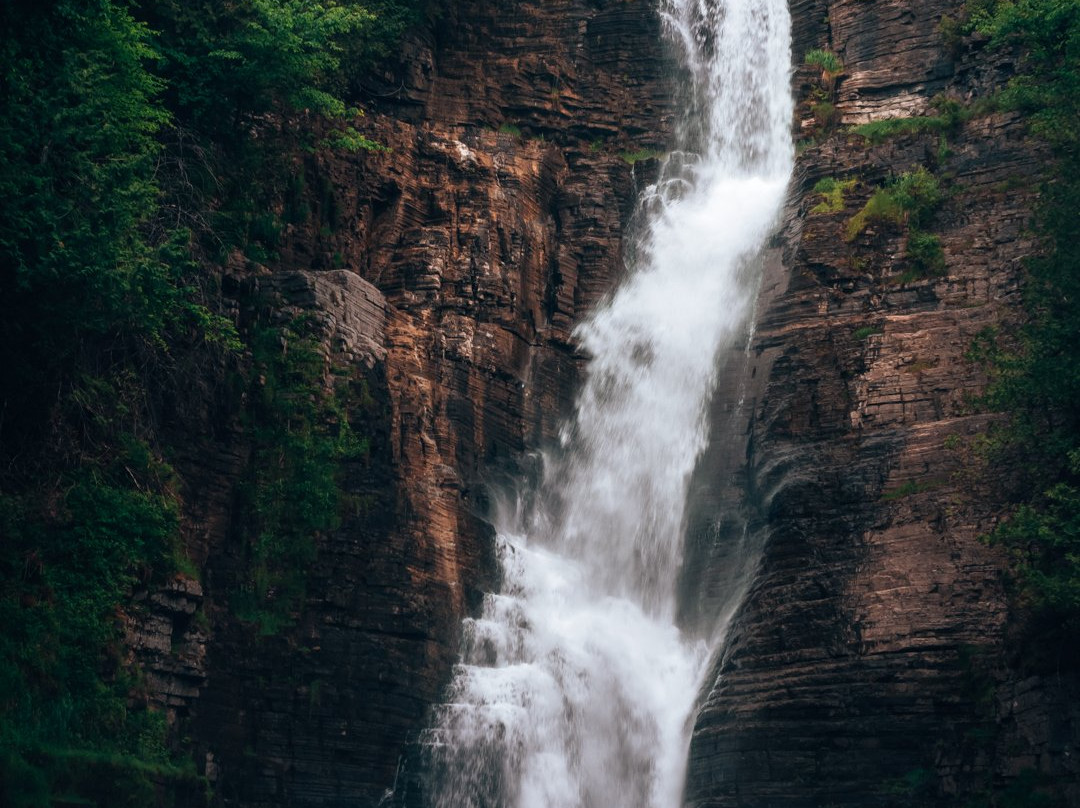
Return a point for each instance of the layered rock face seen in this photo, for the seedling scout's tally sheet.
(442, 277)
(865, 665)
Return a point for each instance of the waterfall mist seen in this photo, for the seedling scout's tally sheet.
(576, 686)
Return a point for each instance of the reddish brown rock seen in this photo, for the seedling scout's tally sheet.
(442, 276)
(445, 275)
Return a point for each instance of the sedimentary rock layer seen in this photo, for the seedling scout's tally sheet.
(442, 275)
(865, 667)
(445, 275)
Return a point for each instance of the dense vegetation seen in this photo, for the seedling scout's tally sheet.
(910, 199)
(1037, 378)
(300, 431)
(127, 163)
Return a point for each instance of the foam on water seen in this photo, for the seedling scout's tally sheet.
(576, 686)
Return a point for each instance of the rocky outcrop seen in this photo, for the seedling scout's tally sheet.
(865, 665)
(163, 634)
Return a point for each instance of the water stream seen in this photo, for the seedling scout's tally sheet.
(576, 685)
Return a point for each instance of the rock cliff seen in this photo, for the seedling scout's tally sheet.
(866, 665)
(443, 277)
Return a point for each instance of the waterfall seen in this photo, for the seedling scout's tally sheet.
(576, 686)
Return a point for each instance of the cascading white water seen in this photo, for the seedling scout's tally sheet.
(576, 685)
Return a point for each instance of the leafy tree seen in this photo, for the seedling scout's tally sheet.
(82, 287)
(1038, 380)
(77, 151)
(228, 63)
(94, 295)
(101, 299)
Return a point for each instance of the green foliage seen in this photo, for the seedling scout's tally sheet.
(825, 114)
(70, 561)
(1052, 526)
(1047, 88)
(639, 155)
(22, 785)
(831, 191)
(302, 434)
(109, 202)
(918, 194)
(909, 488)
(1037, 378)
(378, 39)
(944, 150)
(1022, 793)
(349, 140)
(48, 776)
(951, 114)
(826, 61)
(94, 296)
(247, 78)
(100, 296)
(925, 253)
(77, 153)
(865, 332)
(917, 783)
(952, 33)
(880, 131)
(912, 197)
(880, 207)
(87, 270)
(227, 63)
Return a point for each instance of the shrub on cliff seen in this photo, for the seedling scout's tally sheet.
(1047, 87)
(301, 434)
(1038, 381)
(226, 63)
(913, 197)
(826, 61)
(831, 194)
(925, 253)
